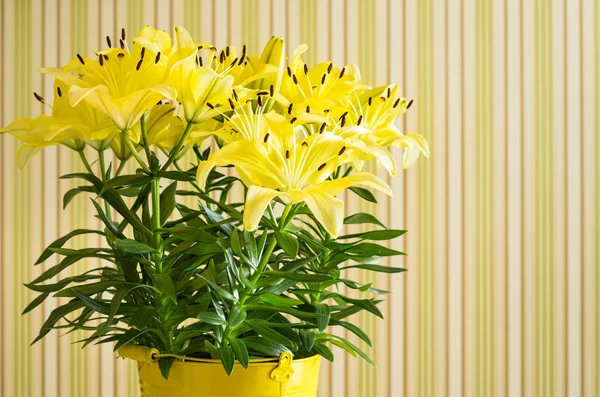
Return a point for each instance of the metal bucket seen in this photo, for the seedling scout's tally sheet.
(280, 378)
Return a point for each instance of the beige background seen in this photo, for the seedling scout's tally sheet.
(501, 297)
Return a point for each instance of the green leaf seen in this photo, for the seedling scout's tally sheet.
(324, 315)
(61, 241)
(235, 243)
(36, 302)
(366, 304)
(324, 351)
(129, 336)
(308, 339)
(299, 276)
(387, 234)
(278, 300)
(236, 316)
(54, 270)
(376, 268)
(288, 243)
(263, 347)
(56, 315)
(369, 250)
(134, 247)
(177, 176)
(93, 304)
(125, 180)
(165, 285)
(188, 233)
(213, 217)
(288, 310)
(356, 349)
(240, 350)
(261, 328)
(165, 364)
(362, 218)
(211, 318)
(227, 357)
(107, 222)
(354, 329)
(364, 194)
(72, 193)
(142, 316)
(167, 202)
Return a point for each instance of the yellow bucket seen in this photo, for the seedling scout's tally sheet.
(281, 377)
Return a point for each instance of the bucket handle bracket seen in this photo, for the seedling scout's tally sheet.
(284, 371)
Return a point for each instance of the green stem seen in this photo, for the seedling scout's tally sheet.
(156, 223)
(145, 137)
(175, 152)
(120, 168)
(263, 262)
(85, 162)
(134, 152)
(102, 162)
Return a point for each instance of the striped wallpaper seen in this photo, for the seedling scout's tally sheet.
(502, 293)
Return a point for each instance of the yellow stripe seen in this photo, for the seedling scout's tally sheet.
(423, 305)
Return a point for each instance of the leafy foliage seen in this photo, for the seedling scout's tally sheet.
(194, 282)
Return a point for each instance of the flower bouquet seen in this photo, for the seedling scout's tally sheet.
(242, 288)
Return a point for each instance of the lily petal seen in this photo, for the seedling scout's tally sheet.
(328, 210)
(257, 200)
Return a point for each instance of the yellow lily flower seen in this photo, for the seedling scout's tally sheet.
(320, 89)
(69, 126)
(370, 119)
(199, 89)
(119, 83)
(34, 135)
(279, 165)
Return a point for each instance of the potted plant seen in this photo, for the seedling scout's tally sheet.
(243, 288)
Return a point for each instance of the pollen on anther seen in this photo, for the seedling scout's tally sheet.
(143, 52)
(108, 42)
(289, 71)
(344, 115)
(80, 59)
(271, 90)
(123, 34)
(38, 97)
(322, 128)
(235, 96)
(120, 55)
(122, 44)
(342, 72)
(231, 103)
(105, 57)
(323, 78)
(388, 92)
(396, 103)
(210, 105)
(58, 91)
(295, 79)
(305, 69)
(139, 64)
(322, 166)
(227, 50)
(290, 108)
(359, 120)
(329, 67)
(259, 99)
(304, 144)
(409, 104)
(266, 138)
(370, 101)
(342, 150)
(101, 60)
(307, 109)
(157, 58)
(287, 154)
(293, 120)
